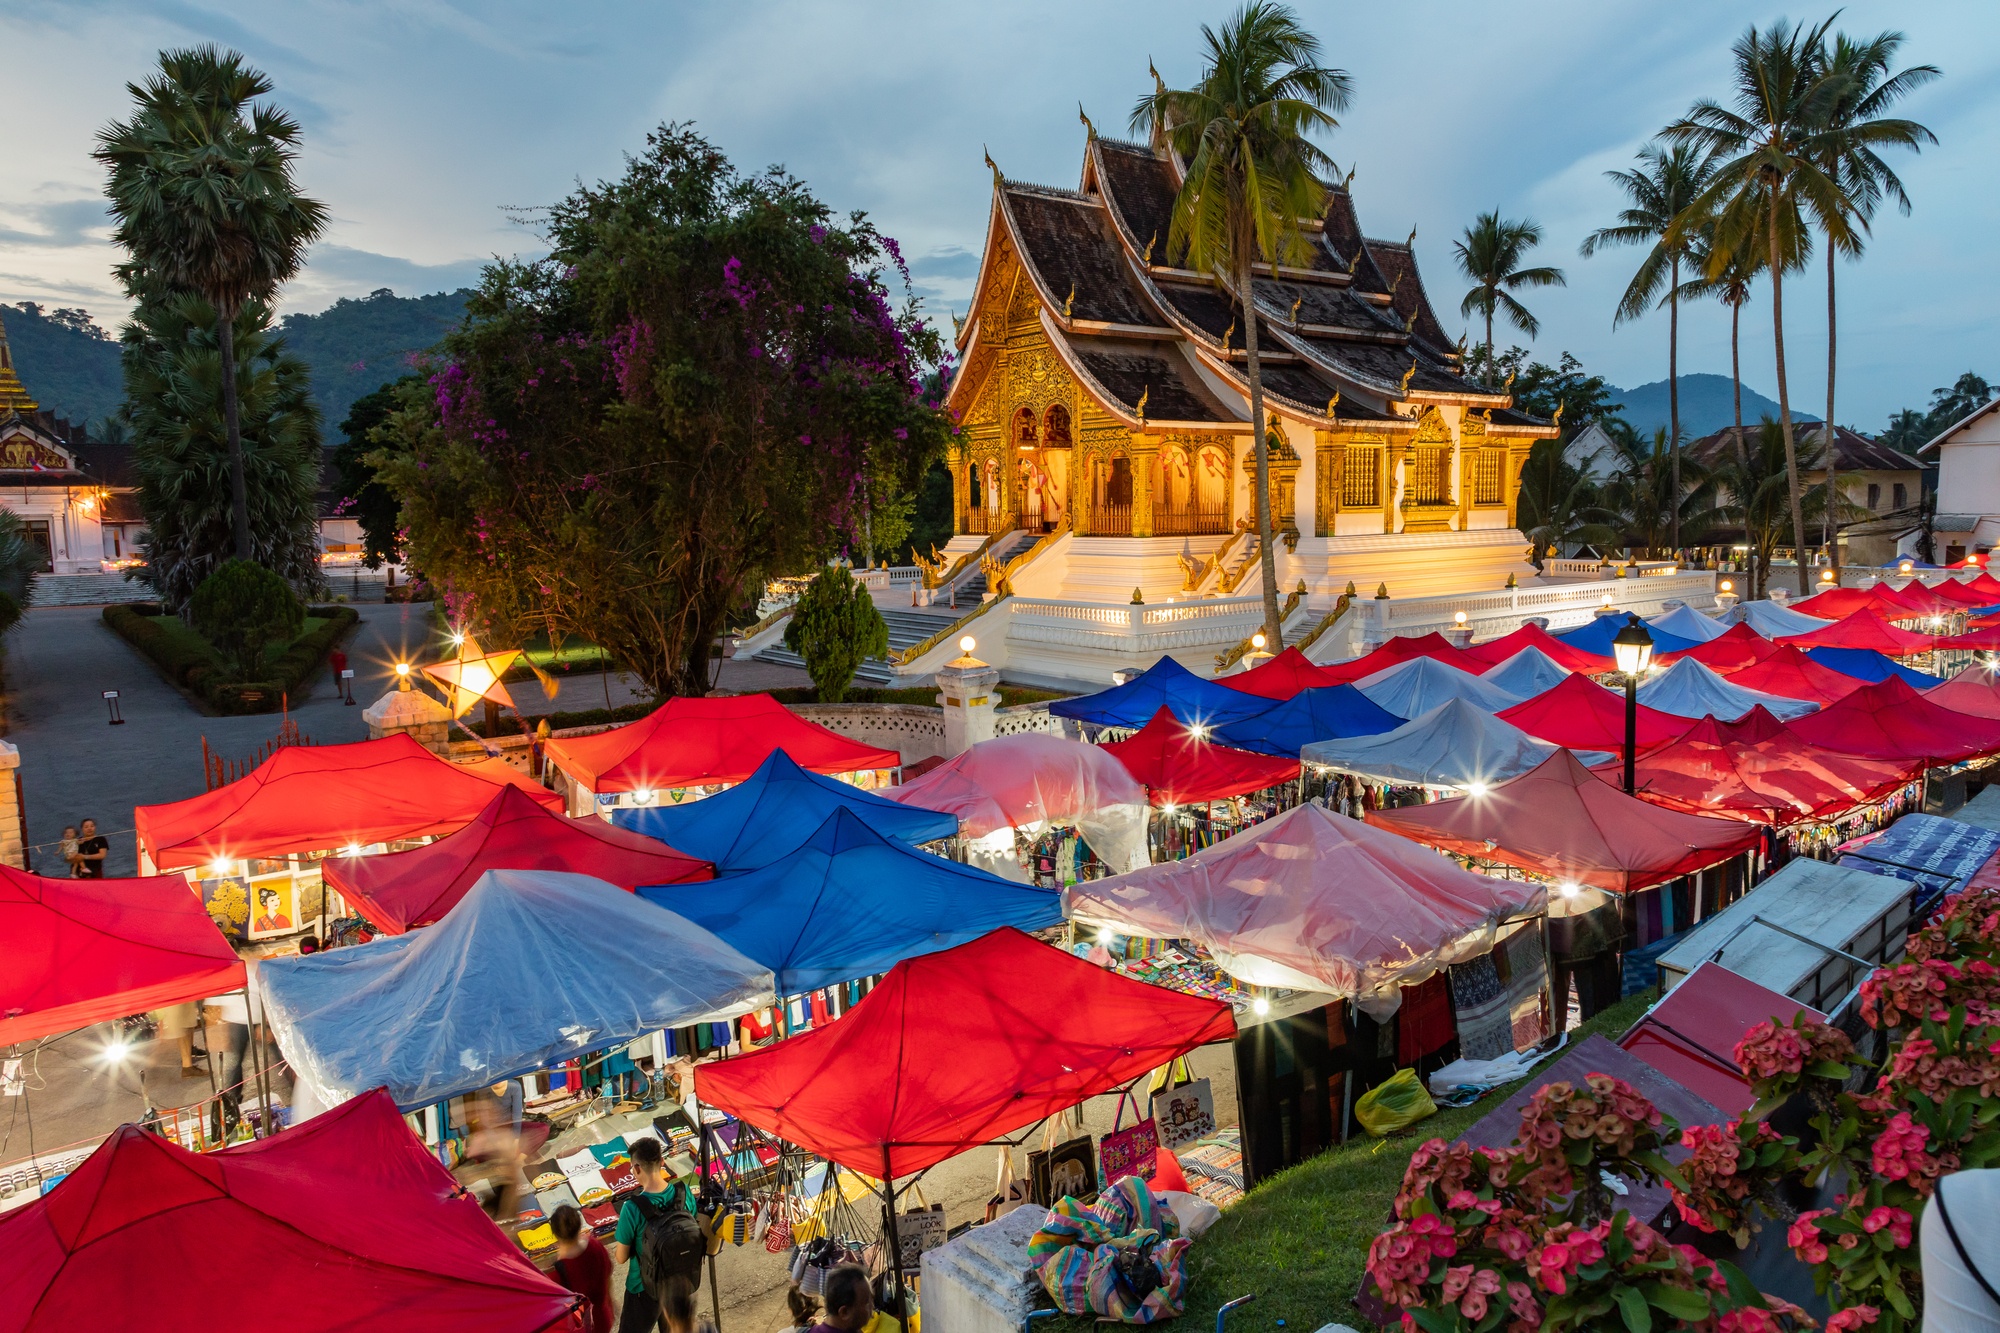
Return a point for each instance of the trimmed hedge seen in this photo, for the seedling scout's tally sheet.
(193, 665)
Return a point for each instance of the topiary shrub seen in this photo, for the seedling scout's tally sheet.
(241, 609)
(835, 628)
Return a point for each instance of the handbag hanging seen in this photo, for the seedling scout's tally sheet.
(1129, 1152)
(918, 1230)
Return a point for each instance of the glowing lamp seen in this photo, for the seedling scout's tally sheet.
(1632, 648)
(1475, 789)
(116, 1051)
(1257, 641)
(351, 849)
(1458, 619)
(219, 866)
(1905, 567)
(1260, 1006)
(402, 668)
(457, 639)
(644, 795)
(1607, 601)
(1727, 586)
(1104, 935)
(1826, 575)
(1198, 730)
(967, 644)
(474, 675)
(1569, 888)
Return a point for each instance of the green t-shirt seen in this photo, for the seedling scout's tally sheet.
(632, 1225)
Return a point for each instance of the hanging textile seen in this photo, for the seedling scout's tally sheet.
(1480, 1008)
(1425, 1024)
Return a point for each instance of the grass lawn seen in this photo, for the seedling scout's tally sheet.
(1300, 1239)
(186, 640)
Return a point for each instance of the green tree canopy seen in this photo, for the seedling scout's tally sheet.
(701, 386)
(835, 628)
(1490, 253)
(243, 609)
(1914, 427)
(180, 445)
(362, 495)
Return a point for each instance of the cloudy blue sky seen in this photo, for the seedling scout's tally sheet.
(426, 120)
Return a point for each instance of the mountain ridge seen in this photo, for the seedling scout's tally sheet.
(1706, 405)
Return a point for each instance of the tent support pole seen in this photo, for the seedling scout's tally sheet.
(714, 1288)
(260, 1127)
(895, 1255)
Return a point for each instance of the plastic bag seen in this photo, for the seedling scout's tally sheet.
(1396, 1104)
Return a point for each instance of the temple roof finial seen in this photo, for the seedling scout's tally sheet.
(998, 179)
(1089, 128)
(13, 394)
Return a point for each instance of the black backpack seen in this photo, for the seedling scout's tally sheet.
(672, 1245)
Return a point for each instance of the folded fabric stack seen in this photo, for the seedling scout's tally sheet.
(1214, 1167)
(1120, 1258)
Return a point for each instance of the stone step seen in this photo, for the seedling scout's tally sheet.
(873, 671)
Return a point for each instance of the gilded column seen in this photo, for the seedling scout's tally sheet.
(1145, 456)
(961, 491)
(1330, 464)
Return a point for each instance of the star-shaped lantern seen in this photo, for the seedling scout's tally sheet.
(474, 675)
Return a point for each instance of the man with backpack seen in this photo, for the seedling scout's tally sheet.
(658, 1239)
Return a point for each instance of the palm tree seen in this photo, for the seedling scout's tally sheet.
(1769, 151)
(1559, 507)
(1490, 253)
(205, 203)
(1252, 173)
(1668, 180)
(1731, 286)
(1867, 90)
(1644, 491)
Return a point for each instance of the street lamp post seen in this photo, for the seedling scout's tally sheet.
(1632, 649)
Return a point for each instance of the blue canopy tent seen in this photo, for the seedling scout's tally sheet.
(850, 903)
(1871, 666)
(1166, 684)
(1597, 635)
(1327, 713)
(1938, 855)
(531, 967)
(771, 812)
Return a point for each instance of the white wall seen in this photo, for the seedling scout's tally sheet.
(1969, 469)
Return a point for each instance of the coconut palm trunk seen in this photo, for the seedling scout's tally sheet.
(232, 421)
(1267, 558)
(1742, 453)
(1785, 408)
(1832, 454)
(1674, 395)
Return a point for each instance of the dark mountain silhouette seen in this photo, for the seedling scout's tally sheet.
(354, 347)
(1706, 406)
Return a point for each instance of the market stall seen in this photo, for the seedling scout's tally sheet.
(1789, 672)
(1495, 651)
(1166, 684)
(1838, 603)
(1774, 621)
(1868, 666)
(849, 903)
(403, 890)
(1403, 648)
(1026, 801)
(1311, 715)
(1864, 629)
(1583, 715)
(1561, 821)
(254, 848)
(1527, 673)
(689, 748)
(1972, 690)
(1889, 720)
(530, 968)
(1179, 764)
(341, 1224)
(1421, 684)
(1735, 648)
(1684, 622)
(1691, 1034)
(1595, 638)
(79, 951)
(1283, 677)
(1454, 747)
(1938, 855)
(1690, 689)
(771, 812)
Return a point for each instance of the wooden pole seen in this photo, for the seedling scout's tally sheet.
(714, 1287)
(895, 1244)
(260, 1127)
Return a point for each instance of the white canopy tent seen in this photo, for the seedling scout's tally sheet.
(1409, 689)
(1687, 623)
(1693, 689)
(1527, 673)
(1456, 745)
(1774, 621)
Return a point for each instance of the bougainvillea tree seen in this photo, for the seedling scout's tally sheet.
(1532, 1237)
(1931, 1107)
(704, 384)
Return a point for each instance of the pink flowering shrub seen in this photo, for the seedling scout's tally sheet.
(1933, 1107)
(1518, 1238)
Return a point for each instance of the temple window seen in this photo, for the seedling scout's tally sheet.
(1055, 433)
(973, 500)
(1024, 428)
(1430, 476)
(1486, 485)
(1361, 478)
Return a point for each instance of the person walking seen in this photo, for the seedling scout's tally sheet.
(584, 1266)
(655, 1206)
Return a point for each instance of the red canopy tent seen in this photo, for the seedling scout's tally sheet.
(1972, 690)
(1558, 819)
(514, 832)
(1282, 677)
(1759, 724)
(1864, 629)
(1789, 672)
(1781, 780)
(319, 798)
(1985, 585)
(343, 1222)
(1960, 594)
(1397, 650)
(690, 742)
(1889, 720)
(1979, 639)
(1583, 715)
(1178, 765)
(1495, 651)
(953, 1049)
(80, 951)
(1838, 603)
(1915, 599)
(1691, 1035)
(1737, 647)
